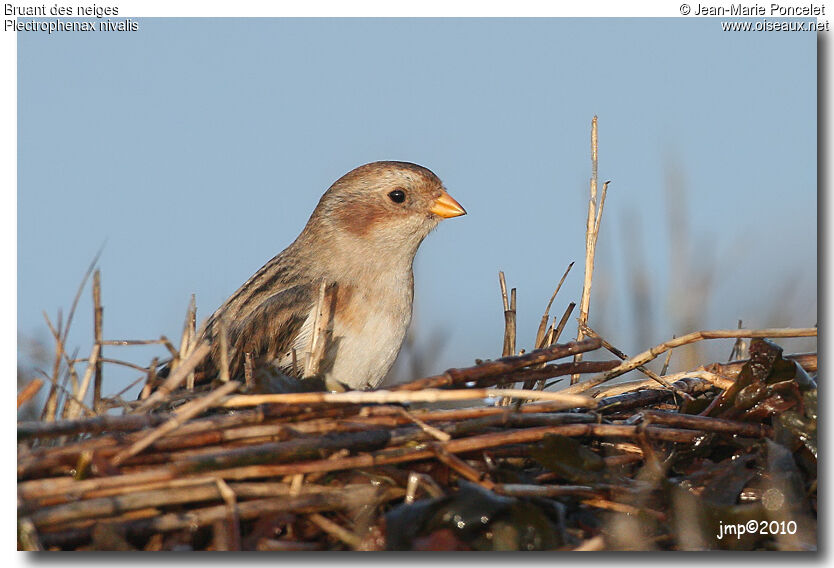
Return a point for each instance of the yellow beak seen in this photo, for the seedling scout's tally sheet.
(445, 206)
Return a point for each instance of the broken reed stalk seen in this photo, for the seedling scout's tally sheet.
(344, 500)
(98, 314)
(651, 395)
(149, 379)
(501, 366)
(76, 410)
(541, 373)
(60, 354)
(93, 425)
(712, 378)
(403, 396)
(51, 406)
(431, 430)
(224, 350)
(463, 469)
(186, 412)
(591, 234)
(119, 362)
(175, 379)
(513, 325)
(666, 361)
(74, 400)
(643, 369)
(562, 322)
(551, 338)
(509, 317)
(525, 490)
(593, 544)
(335, 530)
(128, 342)
(740, 347)
(510, 329)
(650, 354)
(503, 283)
(708, 424)
(249, 370)
(227, 531)
(29, 391)
(188, 337)
(68, 396)
(545, 336)
(541, 333)
(318, 338)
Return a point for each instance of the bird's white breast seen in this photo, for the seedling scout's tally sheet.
(367, 331)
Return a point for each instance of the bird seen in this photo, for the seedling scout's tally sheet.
(330, 311)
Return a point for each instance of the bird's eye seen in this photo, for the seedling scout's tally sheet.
(397, 196)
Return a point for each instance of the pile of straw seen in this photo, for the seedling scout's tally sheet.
(486, 457)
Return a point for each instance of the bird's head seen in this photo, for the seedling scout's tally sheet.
(384, 208)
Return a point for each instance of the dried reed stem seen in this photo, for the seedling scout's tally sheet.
(186, 412)
(76, 410)
(318, 338)
(552, 337)
(562, 322)
(462, 468)
(666, 361)
(51, 405)
(224, 351)
(643, 369)
(98, 314)
(50, 408)
(540, 334)
(249, 370)
(503, 283)
(525, 490)
(593, 544)
(631, 386)
(708, 424)
(388, 397)
(591, 234)
(188, 336)
(501, 366)
(61, 353)
(335, 530)
(149, 379)
(509, 318)
(652, 353)
(713, 378)
(175, 379)
(348, 498)
(431, 430)
(29, 391)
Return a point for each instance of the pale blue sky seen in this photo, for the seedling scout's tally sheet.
(195, 150)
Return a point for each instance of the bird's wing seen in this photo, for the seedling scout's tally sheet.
(270, 330)
(266, 332)
(262, 318)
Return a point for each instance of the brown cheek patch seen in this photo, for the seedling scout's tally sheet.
(347, 310)
(360, 218)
